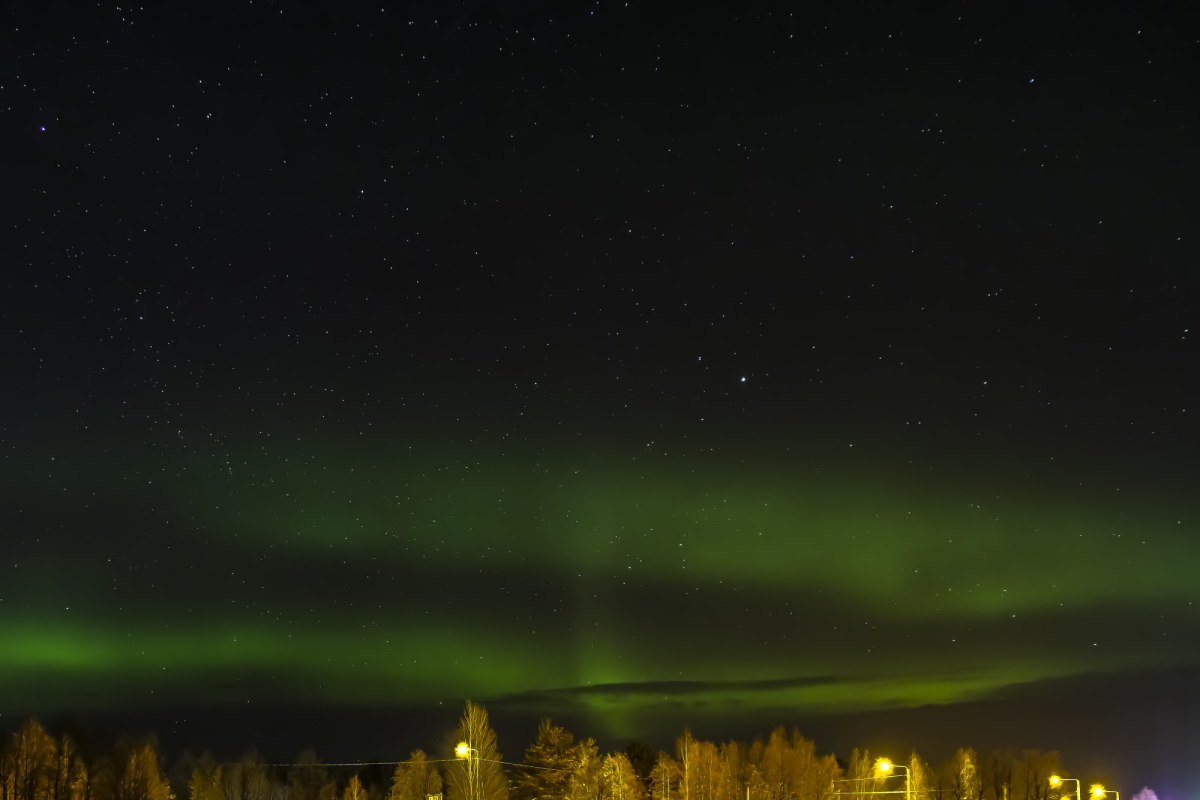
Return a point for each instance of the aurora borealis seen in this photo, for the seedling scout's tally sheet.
(550, 583)
(828, 367)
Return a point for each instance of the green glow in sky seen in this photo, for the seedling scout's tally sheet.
(577, 580)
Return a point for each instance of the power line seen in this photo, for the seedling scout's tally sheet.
(338, 763)
(387, 763)
(525, 766)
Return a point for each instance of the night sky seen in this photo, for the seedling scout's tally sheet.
(645, 366)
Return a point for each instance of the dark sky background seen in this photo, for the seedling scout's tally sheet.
(641, 365)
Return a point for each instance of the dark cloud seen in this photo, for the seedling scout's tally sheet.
(667, 691)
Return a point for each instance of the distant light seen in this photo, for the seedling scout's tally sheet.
(742, 379)
(1055, 780)
(1098, 790)
(883, 765)
(42, 128)
(462, 750)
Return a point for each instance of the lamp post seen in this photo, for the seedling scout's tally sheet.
(883, 769)
(886, 766)
(464, 751)
(1057, 781)
(1098, 791)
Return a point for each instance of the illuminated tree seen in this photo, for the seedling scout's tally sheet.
(772, 765)
(79, 781)
(247, 779)
(802, 773)
(921, 779)
(71, 773)
(702, 771)
(585, 771)
(142, 777)
(663, 778)
(643, 757)
(962, 773)
(618, 781)
(706, 770)
(861, 772)
(415, 779)
(756, 784)
(482, 763)
(995, 774)
(1031, 773)
(30, 764)
(207, 781)
(729, 780)
(685, 757)
(354, 790)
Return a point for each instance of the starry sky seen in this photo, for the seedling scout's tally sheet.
(641, 365)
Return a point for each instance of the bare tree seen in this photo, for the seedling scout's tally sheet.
(480, 776)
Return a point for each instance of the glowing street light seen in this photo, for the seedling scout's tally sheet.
(886, 765)
(470, 758)
(1057, 781)
(1098, 791)
(883, 771)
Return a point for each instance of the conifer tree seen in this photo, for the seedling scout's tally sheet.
(415, 779)
(550, 762)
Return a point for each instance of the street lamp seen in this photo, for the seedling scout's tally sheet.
(886, 765)
(883, 770)
(1057, 781)
(470, 758)
(1098, 791)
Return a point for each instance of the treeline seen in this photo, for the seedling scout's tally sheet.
(35, 765)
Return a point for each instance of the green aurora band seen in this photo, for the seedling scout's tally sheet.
(591, 581)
